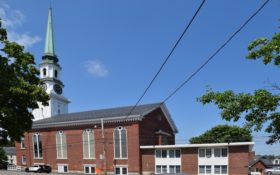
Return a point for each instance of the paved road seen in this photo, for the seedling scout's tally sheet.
(3, 172)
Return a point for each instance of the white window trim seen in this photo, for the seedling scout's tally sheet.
(121, 157)
(89, 165)
(38, 150)
(89, 150)
(121, 166)
(62, 165)
(61, 133)
(23, 162)
(21, 141)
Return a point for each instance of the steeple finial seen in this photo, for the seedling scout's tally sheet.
(49, 45)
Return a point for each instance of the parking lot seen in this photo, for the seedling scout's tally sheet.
(5, 172)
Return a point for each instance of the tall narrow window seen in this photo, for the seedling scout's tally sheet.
(88, 144)
(120, 143)
(22, 143)
(37, 146)
(61, 145)
(44, 72)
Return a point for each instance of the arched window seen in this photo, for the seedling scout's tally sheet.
(55, 73)
(44, 72)
(120, 143)
(61, 145)
(88, 144)
(37, 146)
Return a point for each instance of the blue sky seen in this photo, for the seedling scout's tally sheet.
(110, 50)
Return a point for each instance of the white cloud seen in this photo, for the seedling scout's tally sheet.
(23, 39)
(11, 19)
(96, 68)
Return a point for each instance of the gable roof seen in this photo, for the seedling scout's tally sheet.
(107, 115)
(264, 161)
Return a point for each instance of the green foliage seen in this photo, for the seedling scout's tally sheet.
(19, 90)
(223, 134)
(260, 107)
(268, 50)
(3, 156)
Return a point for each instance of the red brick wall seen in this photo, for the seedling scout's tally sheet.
(148, 160)
(150, 125)
(238, 160)
(259, 166)
(189, 158)
(75, 159)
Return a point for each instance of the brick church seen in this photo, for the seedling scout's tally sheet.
(116, 140)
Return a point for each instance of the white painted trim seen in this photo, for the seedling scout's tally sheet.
(198, 145)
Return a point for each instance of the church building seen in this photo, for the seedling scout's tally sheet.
(120, 140)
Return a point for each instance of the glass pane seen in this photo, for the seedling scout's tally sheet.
(86, 169)
(201, 152)
(65, 169)
(164, 153)
(208, 169)
(171, 153)
(178, 169)
(117, 170)
(224, 152)
(164, 169)
(40, 146)
(201, 169)
(177, 153)
(117, 143)
(224, 169)
(64, 145)
(158, 169)
(85, 144)
(124, 170)
(171, 169)
(35, 146)
(123, 143)
(58, 146)
(91, 145)
(158, 153)
(217, 169)
(92, 169)
(217, 152)
(208, 153)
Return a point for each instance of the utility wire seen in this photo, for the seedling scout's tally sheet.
(167, 58)
(216, 52)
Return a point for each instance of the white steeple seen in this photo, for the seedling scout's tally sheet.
(50, 76)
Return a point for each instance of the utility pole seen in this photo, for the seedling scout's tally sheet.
(104, 148)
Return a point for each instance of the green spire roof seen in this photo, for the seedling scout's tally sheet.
(49, 45)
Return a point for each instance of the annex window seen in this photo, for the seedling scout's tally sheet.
(88, 144)
(205, 169)
(22, 143)
(174, 168)
(168, 153)
(220, 169)
(89, 169)
(120, 143)
(160, 169)
(224, 152)
(61, 145)
(205, 152)
(37, 146)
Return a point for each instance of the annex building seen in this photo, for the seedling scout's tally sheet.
(116, 140)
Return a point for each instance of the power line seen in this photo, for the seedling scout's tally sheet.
(167, 58)
(217, 51)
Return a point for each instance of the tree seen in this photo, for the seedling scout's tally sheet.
(260, 107)
(223, 134)
(3, 156)
(19, 88)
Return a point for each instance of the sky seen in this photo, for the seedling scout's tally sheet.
(110, 50)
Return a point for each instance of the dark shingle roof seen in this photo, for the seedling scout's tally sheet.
(108, 115)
